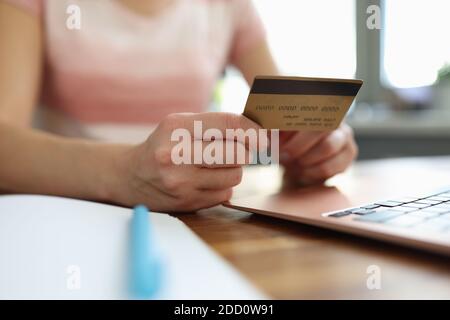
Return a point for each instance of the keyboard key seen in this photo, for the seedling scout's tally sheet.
(371, 206)
(416, 205)
(405, 199)
(443, 206)
(433, 225)
(435, 209)
(405, 221)
(389, 203)
(424, 214)
(380, 216)
(340, 214)
(362, 211)
(444, 195)
(437, 198)
(405, 209)
(428, 201)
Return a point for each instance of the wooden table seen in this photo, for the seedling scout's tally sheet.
(287, 260)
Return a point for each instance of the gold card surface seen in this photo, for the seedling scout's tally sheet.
(297, 103)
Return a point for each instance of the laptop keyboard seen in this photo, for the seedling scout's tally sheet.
(431, 213)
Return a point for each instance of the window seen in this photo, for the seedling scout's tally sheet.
(416, 41)
(329, 38)
(311, 38)
(314, 38)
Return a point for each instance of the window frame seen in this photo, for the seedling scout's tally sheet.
(369, 56)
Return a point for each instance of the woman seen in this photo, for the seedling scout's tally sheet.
(135, 62)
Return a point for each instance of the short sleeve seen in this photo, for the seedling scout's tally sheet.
(35, 7)
(248, 28)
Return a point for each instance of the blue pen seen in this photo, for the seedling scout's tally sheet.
(146, 268)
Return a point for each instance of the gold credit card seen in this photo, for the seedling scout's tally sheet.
(297, 103)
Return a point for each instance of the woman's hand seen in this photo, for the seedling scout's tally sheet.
(150, 176)
(313, 157)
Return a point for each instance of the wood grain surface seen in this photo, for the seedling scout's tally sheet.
(287, 260)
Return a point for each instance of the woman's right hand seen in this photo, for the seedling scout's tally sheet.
(148, 174)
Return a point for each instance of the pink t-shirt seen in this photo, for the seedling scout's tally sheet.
(122, 67)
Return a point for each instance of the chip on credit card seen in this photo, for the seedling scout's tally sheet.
(298, 103)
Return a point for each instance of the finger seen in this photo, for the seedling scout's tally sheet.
(286, 136)
(226, 154)
(218, 178)
(214, 198)
(225, 120)
(211, 154)
(328, 168)
(300, 143)
(240, 128)
(326, 148)
(205, 199)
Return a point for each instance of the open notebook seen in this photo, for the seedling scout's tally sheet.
(57, 248)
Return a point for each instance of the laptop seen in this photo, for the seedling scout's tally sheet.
(419, 221)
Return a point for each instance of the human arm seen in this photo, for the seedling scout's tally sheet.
(32, 161)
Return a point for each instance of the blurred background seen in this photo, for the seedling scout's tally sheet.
(404, 106)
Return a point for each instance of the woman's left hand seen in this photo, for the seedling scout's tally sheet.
(313, 157)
